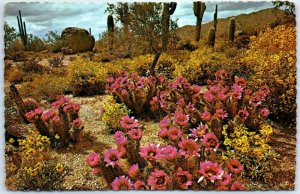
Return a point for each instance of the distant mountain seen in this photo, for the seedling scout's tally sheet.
(249, 23)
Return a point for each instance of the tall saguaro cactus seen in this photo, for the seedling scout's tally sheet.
(216, 18)
(125, 17)
(22, 29)
(231, 29)
(110, 29)
(168, 10)
(199, 9)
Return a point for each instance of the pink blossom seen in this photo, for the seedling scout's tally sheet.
(131, 86)
(183, 178)
(188, 148)
(181, 103)
(222, 95)
(96, 171)
(180, 118)
(56, 119)
(133, 171)
(129, 123)
(208, 96)
(121, 183)
(198, 132)
(112, 157)
(264, 112)
(48, 115)
(158, 180)
(135, 134)
(163, 133)
(140, 185)
(93, 159)
(237, 186)
(236, 91)
(110, 80)
(220, 113)
(30, 115)
(196, 88)
(243, 114)
(120, 138)
(240, 81)
(152, 152)
(264, 89)
(77, 123)
(165, 122)
(247, 91)
(154, 103)
(38, 111)
(206, 116)
(234, 166)
(174, 134)
(210, 141)
(226, 179)
(169, 153)
(76, 107)
(122, 151)
(211, 171)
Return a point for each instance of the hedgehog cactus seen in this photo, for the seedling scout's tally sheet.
(211, 37)
(110, 29)
(199, 8)
(231, 29)
(168, 9)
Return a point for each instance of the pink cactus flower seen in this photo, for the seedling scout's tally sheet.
(68, 108)
(48, 115)
(121, 183)
(93, 159)
(120, 138)
(234, 166)
(165, 122)
(96, 171)
(208, 96)
(243, 114)
(76, 107)
(152, 152)
(206, 116)
(140, 185)
(135, 134)
(196, 88)
(30, 115)
(158, 180)
(110, 80)
(210, 141)
(163, 133)
(247, 91)
(240, 81)
(77, 123)
(237, 186)
(180, 118)
(222, 95)
(220, 113)
(211, 171)
(38, 111)
(131, 86)
(198, 132)
(169, 153)
(181, 103)
(236, 91)
(133, 171)
(264, 112)
(112, 157)
(264, 89)
(174, 133)
(226, 179)
(188, 148)
(56, 119)
(122, 151)
(129, 122)
(183, 178)
(256, 99)
(154, 103)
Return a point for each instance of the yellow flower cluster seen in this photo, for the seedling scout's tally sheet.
(246, 142)
(34, 151)
(112, 112)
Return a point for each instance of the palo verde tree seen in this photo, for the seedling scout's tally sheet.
(10, 35)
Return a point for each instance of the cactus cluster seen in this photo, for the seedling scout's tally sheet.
(168, 10)
(22, 29)
(199, 9)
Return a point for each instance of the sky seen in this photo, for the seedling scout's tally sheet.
(43, 17)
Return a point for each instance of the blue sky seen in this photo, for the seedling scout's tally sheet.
(42, 17)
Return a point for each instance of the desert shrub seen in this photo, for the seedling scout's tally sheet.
(56, 61)
(45, 87)
(14, 48)
(38, 170)
(87, 78)
(272, 59)
(61, 124)
(15, 75)
(112, 112)
(33, 66)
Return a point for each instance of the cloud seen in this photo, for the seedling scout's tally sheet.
(43, 17)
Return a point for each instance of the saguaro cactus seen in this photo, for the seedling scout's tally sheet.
(22, 29)
(168, 9)
(199, 8)
(90, 31)
(110, 29)
(231, 29)
(125, 17)
(216, 18)
(211, 37)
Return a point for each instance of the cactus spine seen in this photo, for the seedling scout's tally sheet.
(110, 29)
(22, 29)
(199, 8)
(216, 18)
(168, 10)
(211, 37)
(231, 29)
